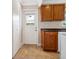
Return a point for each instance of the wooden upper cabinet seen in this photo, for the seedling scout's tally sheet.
(46, 14)
(53, 12)
(58, 12)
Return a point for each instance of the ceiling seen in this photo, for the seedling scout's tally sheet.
(31, 2)
(38, 2)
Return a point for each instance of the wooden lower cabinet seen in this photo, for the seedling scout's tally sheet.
(49, 40)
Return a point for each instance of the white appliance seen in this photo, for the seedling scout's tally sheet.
(62, 44)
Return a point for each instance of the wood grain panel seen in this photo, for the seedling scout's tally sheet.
(42, 39)
(51, 41)
(46, 14)
(58, 11)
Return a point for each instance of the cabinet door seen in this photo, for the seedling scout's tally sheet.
(46, 14)
(51, 41)
(42, 39)
(59, 12)
(55, 40)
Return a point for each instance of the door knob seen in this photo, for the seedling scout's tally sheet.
(35, 28)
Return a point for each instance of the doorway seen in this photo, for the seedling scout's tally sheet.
(30, 28)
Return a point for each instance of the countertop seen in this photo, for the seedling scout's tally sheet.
(54, 29)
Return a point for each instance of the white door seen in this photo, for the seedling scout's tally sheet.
(31, 28)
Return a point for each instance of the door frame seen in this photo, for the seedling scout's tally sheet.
(36, 13)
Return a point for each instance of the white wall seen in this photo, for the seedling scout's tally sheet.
(17, 27)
